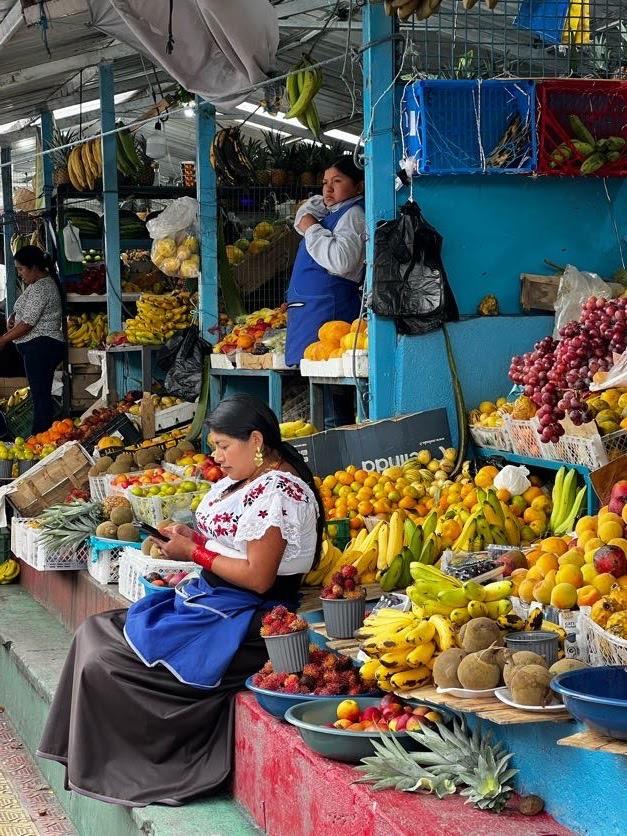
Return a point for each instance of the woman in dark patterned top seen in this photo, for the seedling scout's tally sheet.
(36, 328)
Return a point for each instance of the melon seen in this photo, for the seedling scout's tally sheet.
(242, 244)
(234, 254)
(263, 230)
(258, 246)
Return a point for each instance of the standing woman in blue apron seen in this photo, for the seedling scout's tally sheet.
(328, 271)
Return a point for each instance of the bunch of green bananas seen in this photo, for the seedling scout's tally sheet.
(595, 153)
(302, 85)
(9, 570)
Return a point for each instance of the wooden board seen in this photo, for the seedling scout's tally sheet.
(595, 742)
(347, 647)
(488, 708)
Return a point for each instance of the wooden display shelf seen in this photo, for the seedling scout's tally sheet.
(347, 647)
(595, 742)
(488, 708)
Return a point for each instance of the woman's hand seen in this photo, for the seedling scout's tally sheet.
(306, 221)
(11, 321)
(178, 528)
(177, 546)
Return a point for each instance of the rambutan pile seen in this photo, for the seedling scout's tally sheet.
(325, 675)
(280, 622)
(344, 584)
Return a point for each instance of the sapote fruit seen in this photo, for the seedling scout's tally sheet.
(531, 685)
(186, 446)
(108, 530)
(128, 532)
(121, 515)
(144, 457)
(172, 455)
(478, 674)
(146, 546)
(479, 634)
(103, 464)
(445, 668)
(118, 467)
(565, 665)
(521, 657)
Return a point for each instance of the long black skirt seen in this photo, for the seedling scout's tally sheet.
(132, 735)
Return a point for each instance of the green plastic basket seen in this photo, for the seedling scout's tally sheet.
(5, 544)
(20, 418)
(339, 532)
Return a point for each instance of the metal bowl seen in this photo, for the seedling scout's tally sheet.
(596, 697)
(337, 744)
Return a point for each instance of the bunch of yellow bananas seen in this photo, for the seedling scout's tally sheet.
(9, 570)
(434, 593)
(85, 331)
(84, 165)
(15, 399)
(492, 522)
(302, 86)
(158, 317)
(361, 553)
(402, 648)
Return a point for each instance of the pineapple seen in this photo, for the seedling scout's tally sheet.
(452, 759)
(278, 156)
(68, 525)
(617, 624)
(60, 155)
(114, 501)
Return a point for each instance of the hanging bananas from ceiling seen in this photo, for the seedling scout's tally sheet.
(423, 9)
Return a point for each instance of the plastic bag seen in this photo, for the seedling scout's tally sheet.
(175, 249)
(574, 288)
(616, 378)
(72, 243)
(184, 378)
(512, 478)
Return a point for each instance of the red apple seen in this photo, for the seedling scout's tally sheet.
(386, 699)
(348, 710)
(398, 723)
(392, 710)
(619, 491)
(510, 561)
(610, 559)
(371, 713)
(421, 710)
(413, 724)
(615, 505)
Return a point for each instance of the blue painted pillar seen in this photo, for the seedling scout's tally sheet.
(8, 227)
(47, 128)
(208, 220)
(379, 70)
(110, 199)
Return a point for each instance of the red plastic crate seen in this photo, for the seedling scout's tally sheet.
(601, 106)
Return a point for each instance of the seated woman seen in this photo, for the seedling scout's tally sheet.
(145, 707)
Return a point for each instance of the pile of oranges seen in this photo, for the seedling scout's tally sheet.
(45, 442)
(356, 493)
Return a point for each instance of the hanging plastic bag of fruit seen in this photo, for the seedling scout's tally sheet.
(616, 378)
(175, 249)
(512, 478)
(576, 286)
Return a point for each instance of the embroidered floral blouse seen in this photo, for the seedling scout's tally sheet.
(274, 500)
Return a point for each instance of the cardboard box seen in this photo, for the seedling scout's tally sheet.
(77, 356)
(538, 293)
(48, 482)
(375, 445)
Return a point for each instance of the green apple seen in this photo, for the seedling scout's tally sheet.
(187, 487)
(136, 490)
(154, 491)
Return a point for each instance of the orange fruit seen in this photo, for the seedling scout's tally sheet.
(371, 481)
(586, 523)
(545, 563)
(356, 523)
(620, 542)
(364, 494)
(451, 530)
(531, 493)
(365, 508)
(532, 556)
(587, 596)
(603, 582)
(503, 495)
(485, 476)
(351, 469)
(531, 515)
(588, 573)
(525, 590)
(343, 477)
(360, 476)
(541, 503)
(555, 545)
(329, 482)
(574, 557)
(564, 596)
(381, 506)
(610, 530)
(407, 503)
(569, 574)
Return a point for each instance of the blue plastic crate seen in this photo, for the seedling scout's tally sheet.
(545, 18)
(452, 127)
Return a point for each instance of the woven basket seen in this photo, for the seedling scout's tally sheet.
(601, 647)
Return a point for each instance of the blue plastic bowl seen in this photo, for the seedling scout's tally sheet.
(596, 697)
(277, 704)
(150, 588)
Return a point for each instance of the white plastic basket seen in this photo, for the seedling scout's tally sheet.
(173, 416)
(495, 437)
(155, 509)
(104, 563)
(524, 437)
(135, 565)
(322, 368)
(602, 648)
(44, 559)
(100, 486)
(19, 533)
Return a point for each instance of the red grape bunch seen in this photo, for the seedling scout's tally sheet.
(557, 375)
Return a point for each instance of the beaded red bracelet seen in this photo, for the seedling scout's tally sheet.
(203, 557)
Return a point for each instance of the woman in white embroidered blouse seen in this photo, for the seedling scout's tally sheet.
(145, 707)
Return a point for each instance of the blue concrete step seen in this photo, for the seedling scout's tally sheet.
(33, 647)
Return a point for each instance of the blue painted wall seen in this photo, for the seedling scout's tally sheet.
(583, 790)
(496, 228)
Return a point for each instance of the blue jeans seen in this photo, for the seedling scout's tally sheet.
(41, 356)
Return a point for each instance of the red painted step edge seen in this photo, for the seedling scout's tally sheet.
(288, 790)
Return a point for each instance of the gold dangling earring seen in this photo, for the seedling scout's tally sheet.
(258, 457)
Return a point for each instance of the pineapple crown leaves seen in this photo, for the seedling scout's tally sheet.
(450, 759)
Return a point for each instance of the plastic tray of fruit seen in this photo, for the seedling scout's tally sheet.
(155, 582)
(344, 729)
(166, 501)
(134, 565)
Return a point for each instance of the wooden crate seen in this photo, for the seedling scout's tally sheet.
(538, 293)
(48, 482)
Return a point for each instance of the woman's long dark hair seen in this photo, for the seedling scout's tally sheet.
(31, 256)
(239, 416)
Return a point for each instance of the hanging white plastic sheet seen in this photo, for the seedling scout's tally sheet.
(221, 47)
